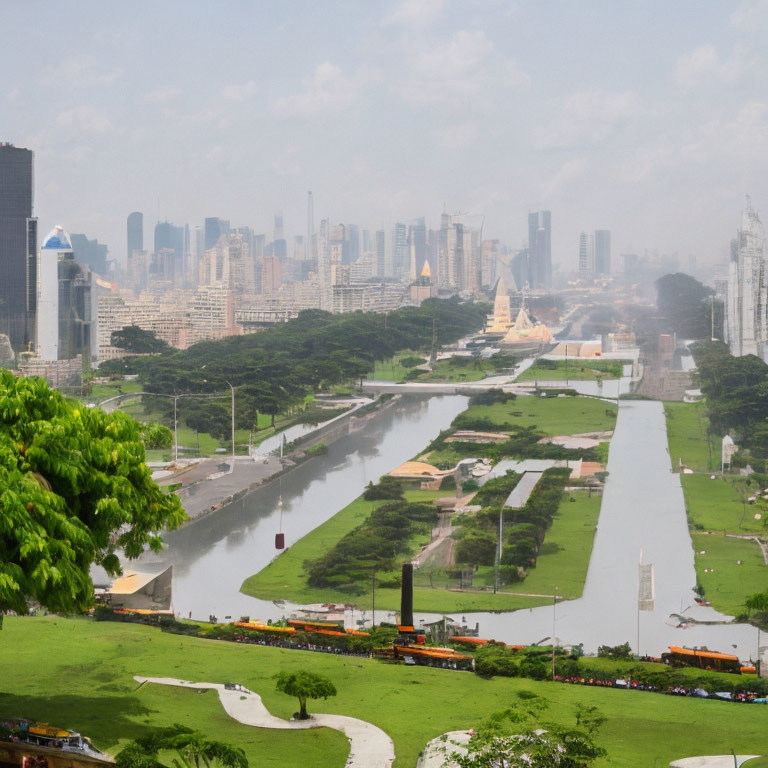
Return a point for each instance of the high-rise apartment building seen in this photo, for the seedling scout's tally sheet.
(18, 246)
(381, 253)
(602, 252)
(746, 320)
(400, 252)
(540, 249)
(586, 255)
(91, 253)
(134, 233)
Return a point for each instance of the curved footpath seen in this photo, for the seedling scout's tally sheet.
(369, 746)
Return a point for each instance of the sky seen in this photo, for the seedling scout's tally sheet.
(648, 118)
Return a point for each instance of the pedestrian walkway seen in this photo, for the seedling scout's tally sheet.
(711, 761)
(369, 746)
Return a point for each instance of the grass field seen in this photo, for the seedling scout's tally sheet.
(564, 557)
(687, 425)
(726, 584)
(78, 674)
(563, 564)
(284, 577)
(391, 370)
(552, 415)
(575, 370)
(719, 505)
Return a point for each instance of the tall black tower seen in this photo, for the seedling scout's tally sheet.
(18, 246)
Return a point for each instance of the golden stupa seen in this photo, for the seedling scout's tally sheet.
(524, 331)
(501, 319)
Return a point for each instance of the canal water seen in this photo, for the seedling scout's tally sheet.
(213, 555)
(642, 515)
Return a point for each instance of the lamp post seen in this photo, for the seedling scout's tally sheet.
(232, 390)
(554, 638)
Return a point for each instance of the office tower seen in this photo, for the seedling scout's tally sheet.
(400, 251)
(63, 300)
(746, 322)
(540, 249)
(353, 238)
(417, 240)
(91, 253)
(18, 246)
(279, 246)
(135, 233)
(310, 250)
(602, 252)
(442, 252)
(586, 255)
(381, 256)
(214, 229)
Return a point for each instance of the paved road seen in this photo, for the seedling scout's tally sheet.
(199, 494)
(369, 746)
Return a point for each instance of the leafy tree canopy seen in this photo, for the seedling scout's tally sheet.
(74, 489)
(684, 301)
(305, 685)
(137, 340)
(193, 748)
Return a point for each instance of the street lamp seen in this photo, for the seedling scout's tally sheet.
(232, 390)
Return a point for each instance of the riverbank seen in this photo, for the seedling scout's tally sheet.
(205, 490)
(562, 563)
(725, 526)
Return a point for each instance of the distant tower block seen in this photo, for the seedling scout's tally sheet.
(55, 246)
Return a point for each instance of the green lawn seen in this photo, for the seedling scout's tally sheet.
(719, 505)
(726, 584)
(552, 415)
(391, 370)
(284, 577)
(564, 557)
(575, 370)
(78, 674)
(687, 426)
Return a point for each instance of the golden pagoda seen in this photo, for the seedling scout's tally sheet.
(501, 319)
(524, 331)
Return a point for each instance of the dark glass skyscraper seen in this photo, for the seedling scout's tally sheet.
(135, 231)
(18, 246)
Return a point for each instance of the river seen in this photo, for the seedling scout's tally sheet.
(642, 511)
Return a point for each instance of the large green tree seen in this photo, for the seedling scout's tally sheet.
(194, 750)
(74, 489)
(685, 304)
(137, 340)
(305, 685)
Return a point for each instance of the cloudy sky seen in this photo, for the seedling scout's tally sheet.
(648, 118)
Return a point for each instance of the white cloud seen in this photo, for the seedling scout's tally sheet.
(457, 136)
(415, 13)
(160, 96)
(84, 119)
(705, 63)
(748, 12)
(588, 118)
(514, 77)
(327, 89)
(239, 91)
(79, 72)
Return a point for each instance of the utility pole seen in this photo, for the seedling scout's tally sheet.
(554, 621)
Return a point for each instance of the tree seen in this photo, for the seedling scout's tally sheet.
(193, 748)
(684, 301)
(509, 740)
(304, 685)
(74, 489)
(137, 340)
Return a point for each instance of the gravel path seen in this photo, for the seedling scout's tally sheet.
(369, 746)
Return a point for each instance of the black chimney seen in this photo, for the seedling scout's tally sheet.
(406, 596)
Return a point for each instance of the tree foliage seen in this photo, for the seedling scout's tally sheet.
(684, 302)
(138, 341)
(74, 489)
(305, 685)
(193, 750)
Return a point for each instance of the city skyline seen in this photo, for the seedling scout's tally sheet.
(656, 143)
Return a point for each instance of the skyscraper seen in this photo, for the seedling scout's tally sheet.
(381, 255)
(309, 249)
(214, 229)
(540, 249)
(586, 255)
(400, 251)
(602, 252)
(135, 232)
(18, 246)
(746, 322)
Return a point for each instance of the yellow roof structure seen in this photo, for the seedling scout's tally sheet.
(130, 582)
(416, 469)
(501, 319)
(425, 270)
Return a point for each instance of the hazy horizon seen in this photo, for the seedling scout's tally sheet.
(648, 120)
